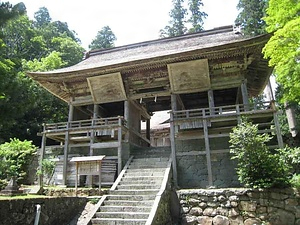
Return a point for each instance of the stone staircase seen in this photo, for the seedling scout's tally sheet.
(132, 198)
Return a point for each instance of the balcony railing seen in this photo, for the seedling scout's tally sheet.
(98, 123)
(231, 110)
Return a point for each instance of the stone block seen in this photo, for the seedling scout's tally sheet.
(236, 220)
(252, 221)
(248, 206)
(233, 212)
(204, 220)
(196, 211)
(220, 220)
(191, 220)
(209, 212)
(282, 217)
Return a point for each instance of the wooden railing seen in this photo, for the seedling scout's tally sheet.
(222, 111)
(85, 124)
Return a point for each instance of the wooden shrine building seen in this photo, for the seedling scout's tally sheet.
(204, 79)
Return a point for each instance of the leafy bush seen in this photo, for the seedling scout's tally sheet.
(15, 157)
(257, 167)
(48, 167)
(295, 181)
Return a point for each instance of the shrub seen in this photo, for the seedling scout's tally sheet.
(257, 166)
(295, 181)
(15, 157)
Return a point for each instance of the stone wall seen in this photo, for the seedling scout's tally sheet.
(192, 164)
(59, 210)
(239, 207)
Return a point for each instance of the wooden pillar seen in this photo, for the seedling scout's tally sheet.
(269, 91)
(66, 147)
(148, 129)
(207, 152)
(92, 140)
(211, 102)
(120, 146)
(278, 131)
(245, 95)
(127, 118)
(42, 156)
(291, 117)
(172, 139)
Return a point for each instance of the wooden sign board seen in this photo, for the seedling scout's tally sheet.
(88, 165)
(189, 77)
(107, 88)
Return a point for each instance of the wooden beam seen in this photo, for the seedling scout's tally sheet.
(120, 146)
(114, 144)
(84, 100)
(172, 139)
(66, 147)
(142, 109)
(207, 151)
(211, 101)
(278, 131)
(42, 156)
(179, 100)
(148, 129)
(245, 94)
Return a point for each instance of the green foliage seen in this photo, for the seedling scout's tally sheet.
(197, 17)
(27, 45)
(47, 170)
(251, 16)
(283, 47)
(105, 38)
(295, 181)
(15, 156)
(258, 167)
(8, 11)
(178, 23)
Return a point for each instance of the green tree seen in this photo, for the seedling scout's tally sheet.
(27, 46)
(251, 16)
(15, 157)
(197, 16)
(283, 47)
(176, 25)
(105, 38)
(8, 11)
(42, 17)
(257, 167)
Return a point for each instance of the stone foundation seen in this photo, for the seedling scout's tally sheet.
(59, 210)
(239, 207)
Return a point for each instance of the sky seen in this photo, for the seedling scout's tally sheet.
(132, 21)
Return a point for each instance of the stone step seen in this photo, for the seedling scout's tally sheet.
(115, 221)
(150, 155)
(117, 208)
(129, 178)
(134, 192)
(158, 165)
(148, 160)
(155, 169)
(148, 181)
(130, 197)
(143, 173)
(123, 215)
(138, 186)
(129, 203)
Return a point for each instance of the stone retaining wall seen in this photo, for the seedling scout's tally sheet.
(59, 210)
(239, 207)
